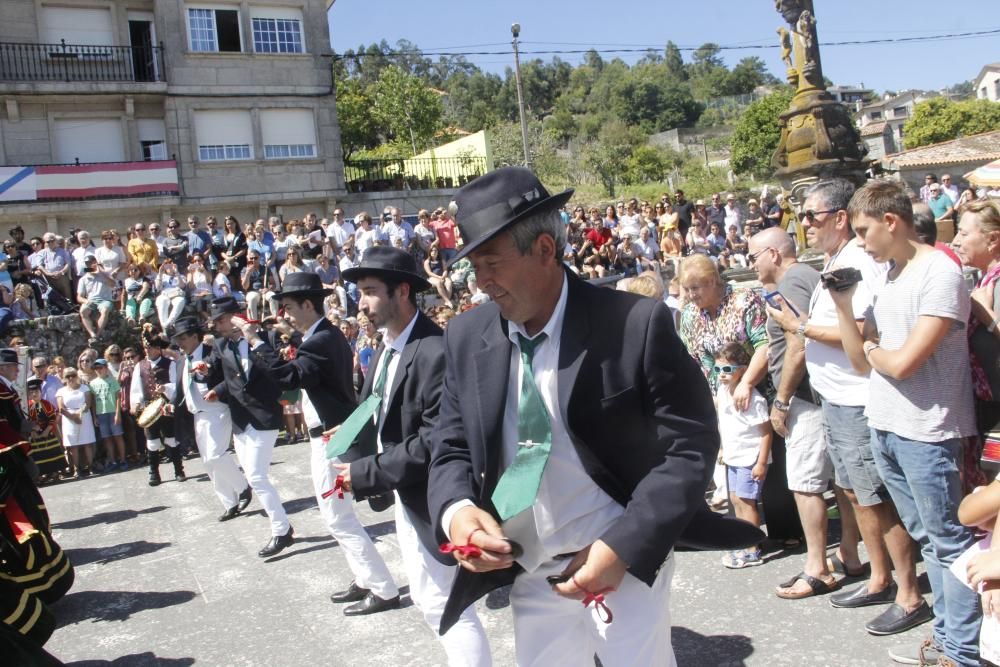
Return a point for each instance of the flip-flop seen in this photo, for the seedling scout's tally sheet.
(816, 587)
(834, 564)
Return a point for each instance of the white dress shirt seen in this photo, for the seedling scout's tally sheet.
(570, 511)
(397, 344)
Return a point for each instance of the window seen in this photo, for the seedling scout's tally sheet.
(84, 30)
(288, 133)
(214, 30)
(224, 135)
(152, 138)
(876, 115)
(277, 36)
(900, 112)
(88, 140)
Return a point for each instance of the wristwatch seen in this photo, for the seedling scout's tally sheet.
(780, 405)
(800, 331)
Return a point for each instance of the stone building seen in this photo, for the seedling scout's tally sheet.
(114, 112)
(987, 84)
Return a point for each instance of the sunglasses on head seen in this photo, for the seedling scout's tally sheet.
(728, 369)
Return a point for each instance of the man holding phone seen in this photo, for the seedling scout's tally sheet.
(94, 294)
(794, 414)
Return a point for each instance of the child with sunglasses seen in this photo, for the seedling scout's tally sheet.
(746, 446)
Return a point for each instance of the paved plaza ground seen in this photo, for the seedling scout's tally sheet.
(160, 582)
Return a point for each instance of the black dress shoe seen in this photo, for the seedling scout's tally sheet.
(230, 513)
(154, 480)
(277, 544)
(353, 593)
(245, 497)
(860, 597)
(371, 604)
(896, 619)
(180, 476)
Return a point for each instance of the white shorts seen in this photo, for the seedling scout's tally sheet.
(807, 464)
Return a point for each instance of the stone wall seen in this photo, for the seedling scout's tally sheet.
(64, 335)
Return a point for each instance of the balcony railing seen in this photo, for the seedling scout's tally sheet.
(412, 173)
(80, 62)
(93, 180)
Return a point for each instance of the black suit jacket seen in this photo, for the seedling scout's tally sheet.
(322, 367)
(638, 412)
(413, 401)
(253, 402)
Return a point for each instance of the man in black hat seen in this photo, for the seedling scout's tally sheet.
(151, 377)
(213, 424)
(405, 380)
(234, 373)
(574, 443)
(322, 367)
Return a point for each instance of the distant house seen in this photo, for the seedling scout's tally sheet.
(877, 137)
(894, 111)
(956, 157)
(987, 84)
(852, 96)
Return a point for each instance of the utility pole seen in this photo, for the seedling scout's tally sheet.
(515, 30)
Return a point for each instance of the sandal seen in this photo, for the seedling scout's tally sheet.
(835, 565)
(816, 587)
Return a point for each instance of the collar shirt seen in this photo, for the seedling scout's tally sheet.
(79, 255)
(340, 233)
(194, 391)
(732, 216)
(198, 241)
(397, 344)
(54, 260)
(159, 241)
(570, 510)
(50, 385)
(309, 413)
(648, 247)
(348, 263)
(952, 192)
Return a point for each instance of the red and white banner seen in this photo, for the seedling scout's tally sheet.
(88, 181)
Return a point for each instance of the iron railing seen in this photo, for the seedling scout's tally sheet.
(412, 173)
(80, 62)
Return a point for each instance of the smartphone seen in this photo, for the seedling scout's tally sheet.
(772, 299)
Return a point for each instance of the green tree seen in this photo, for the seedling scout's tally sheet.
(756, 134)
(406, 110)
(674, 63)
(608, 157)
(358, 129)
(940, 119)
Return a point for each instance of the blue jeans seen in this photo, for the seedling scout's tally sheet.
(922, 478)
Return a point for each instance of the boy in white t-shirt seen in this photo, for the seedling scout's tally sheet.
(746, 446)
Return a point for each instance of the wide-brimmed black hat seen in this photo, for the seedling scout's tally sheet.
(186, 325)
(390, 262)
(223, 306)
(8, 355)
(303, 283)
(492, 203)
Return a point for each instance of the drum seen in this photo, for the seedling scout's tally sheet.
(151, 412)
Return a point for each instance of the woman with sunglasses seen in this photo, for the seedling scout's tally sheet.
(75, 403)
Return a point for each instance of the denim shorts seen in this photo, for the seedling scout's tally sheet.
(849, 445)
(107, 426)
(741, 484)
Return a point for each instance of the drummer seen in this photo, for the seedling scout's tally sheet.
(148, 381)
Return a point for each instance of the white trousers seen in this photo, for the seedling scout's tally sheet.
(169, 308)
(212, 431)
(155, 444)
(552, 630)
(430, 582)
(363, 558)
(254, 449)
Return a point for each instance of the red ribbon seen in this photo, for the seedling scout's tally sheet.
(467, 550)
(599, 602)
(338, 488)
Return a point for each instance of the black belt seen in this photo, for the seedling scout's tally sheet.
(316, 431)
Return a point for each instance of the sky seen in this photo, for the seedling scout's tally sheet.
(455, 25)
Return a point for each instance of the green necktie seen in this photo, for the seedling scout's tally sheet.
(518, 486)
(341, 441)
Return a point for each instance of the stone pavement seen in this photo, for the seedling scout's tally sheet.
(160, 582)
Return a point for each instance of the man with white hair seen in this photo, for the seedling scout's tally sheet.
(55, 263)
(80, 253)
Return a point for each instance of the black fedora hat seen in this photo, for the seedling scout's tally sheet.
(186, 325)
(302, 283)
(222, 306)
(8, 355)
(493, 202)
(390, 262)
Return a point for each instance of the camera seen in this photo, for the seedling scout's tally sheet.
(840, 279)
(386, 217)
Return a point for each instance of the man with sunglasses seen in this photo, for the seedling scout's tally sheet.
(843, 394)
(50, 383)
(794, 414)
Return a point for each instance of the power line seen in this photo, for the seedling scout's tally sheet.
(644, 50)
